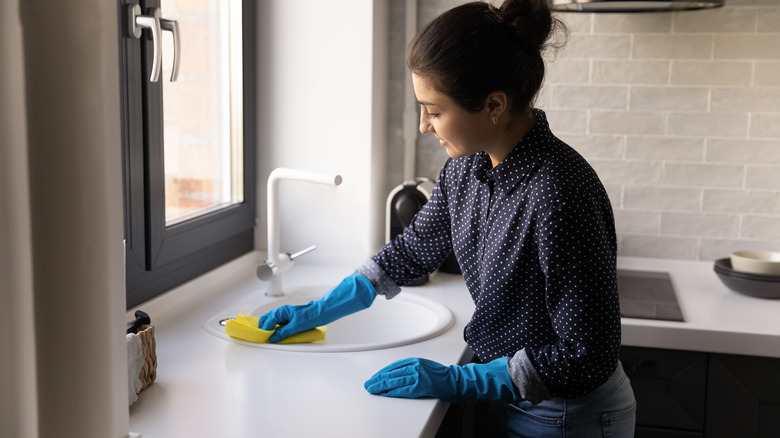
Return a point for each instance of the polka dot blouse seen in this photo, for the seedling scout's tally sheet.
(535, 240)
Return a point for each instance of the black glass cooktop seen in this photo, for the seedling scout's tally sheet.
(648, 295)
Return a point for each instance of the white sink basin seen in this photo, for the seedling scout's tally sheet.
(404, 320)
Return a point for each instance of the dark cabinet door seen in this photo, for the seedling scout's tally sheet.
(669, 386)
(744, 397)
(652, 432)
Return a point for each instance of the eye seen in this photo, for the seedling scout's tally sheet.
(427, 113)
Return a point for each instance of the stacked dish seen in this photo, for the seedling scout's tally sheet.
(756, 262)
(751, 273)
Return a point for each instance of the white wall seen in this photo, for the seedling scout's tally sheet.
(320, 108)
(18, 405)
(61, 233)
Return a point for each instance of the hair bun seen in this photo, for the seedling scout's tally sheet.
(530, 20)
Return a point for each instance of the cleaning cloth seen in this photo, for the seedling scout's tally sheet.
(245, 327)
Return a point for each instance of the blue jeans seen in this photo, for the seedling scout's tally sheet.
(607, 411)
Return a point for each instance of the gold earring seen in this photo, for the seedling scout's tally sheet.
(495, 120)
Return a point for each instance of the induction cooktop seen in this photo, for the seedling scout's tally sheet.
(648, 295)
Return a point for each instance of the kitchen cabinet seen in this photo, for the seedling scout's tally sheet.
(697, 394)
(669, 386)
(743, 397)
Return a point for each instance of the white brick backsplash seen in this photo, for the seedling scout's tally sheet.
(752, 2)
(703, 175)
(761, 227)
(712, 72)
(661, 198)
(724, 20)
(567, 121)
(615, 193)
(672, 46)
(576, 22)
(630, 23)
(754, 100)
(665, 148)
(627, 172)
(633, 221)
(658, 247)
(708, 124)
(679, 113)
(763, 177)
(700, 224)
(669, 98)
(568, 70)
(621, 122)
(743, 151)
(741, 201)
(747, 47)
(596, 146)
(543, 98)
(568, 96)
(765, 126)
(630, 72)
(714, 249)
(598, 46)
(767, 74)
(768, 20)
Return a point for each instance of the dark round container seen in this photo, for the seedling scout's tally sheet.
(754, 285)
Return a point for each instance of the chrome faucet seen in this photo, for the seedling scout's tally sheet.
(276, 262)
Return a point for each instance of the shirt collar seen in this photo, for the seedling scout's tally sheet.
(520, 161)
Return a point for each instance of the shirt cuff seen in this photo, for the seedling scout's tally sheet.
(528, 382)
(383, 284)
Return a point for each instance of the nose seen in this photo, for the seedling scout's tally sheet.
(425, 125)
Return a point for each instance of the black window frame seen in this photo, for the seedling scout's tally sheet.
(159, 257)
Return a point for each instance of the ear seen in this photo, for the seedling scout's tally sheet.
(496, 103)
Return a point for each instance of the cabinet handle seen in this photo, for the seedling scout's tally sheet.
(638, 364)
(137, 22)
(172, 26)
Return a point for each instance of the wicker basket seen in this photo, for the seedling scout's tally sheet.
(149, 370)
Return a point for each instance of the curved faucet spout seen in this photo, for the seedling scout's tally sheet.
(274, 253)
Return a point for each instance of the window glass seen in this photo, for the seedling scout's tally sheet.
(189, 160)
(202, 110)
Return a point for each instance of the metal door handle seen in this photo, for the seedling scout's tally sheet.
(137, 22)
(172, 26)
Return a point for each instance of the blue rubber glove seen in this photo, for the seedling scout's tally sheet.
(354, 293)
(416, 378)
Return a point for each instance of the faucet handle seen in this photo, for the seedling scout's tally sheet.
(269, 269)
(302, 252)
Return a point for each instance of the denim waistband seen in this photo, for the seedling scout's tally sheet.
(575, 406)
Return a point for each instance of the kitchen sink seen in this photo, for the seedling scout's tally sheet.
(648, 295)
(403, 320)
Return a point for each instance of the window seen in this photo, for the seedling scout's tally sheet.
(188, 153)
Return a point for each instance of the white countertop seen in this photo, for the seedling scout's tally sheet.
(717, 319)
(210, 387)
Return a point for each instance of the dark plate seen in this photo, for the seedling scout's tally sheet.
(754, 285)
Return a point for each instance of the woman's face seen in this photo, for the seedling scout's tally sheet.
(460, 132)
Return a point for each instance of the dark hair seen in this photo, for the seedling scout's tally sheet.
(475, 49)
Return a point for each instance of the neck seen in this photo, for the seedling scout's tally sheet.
(509, 133)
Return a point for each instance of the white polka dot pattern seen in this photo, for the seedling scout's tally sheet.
(535, 239)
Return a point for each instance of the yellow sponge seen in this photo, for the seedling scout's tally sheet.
(245, 327)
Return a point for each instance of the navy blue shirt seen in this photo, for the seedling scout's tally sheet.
(535, 240)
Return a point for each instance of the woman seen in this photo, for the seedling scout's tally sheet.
(532, 229)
